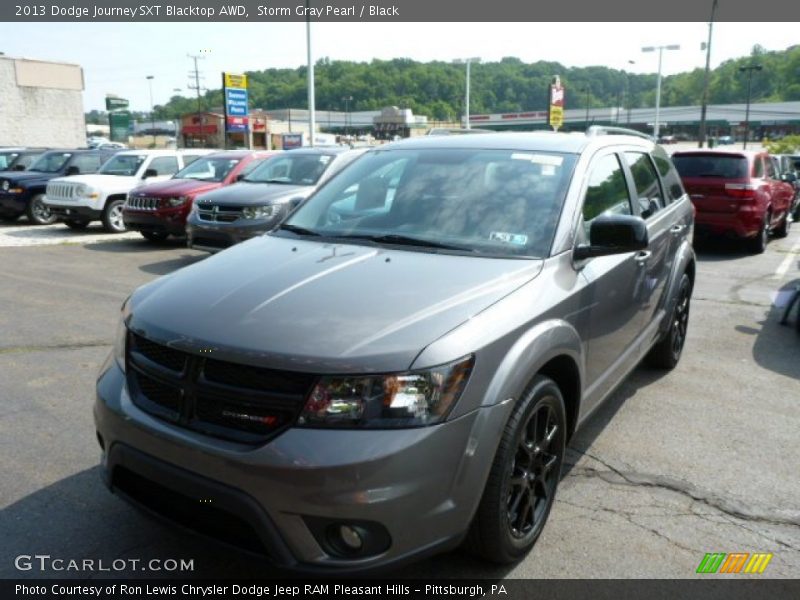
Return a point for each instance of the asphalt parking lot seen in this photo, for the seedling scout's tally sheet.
(702, 459)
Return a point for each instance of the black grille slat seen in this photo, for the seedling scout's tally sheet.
(174, 360)
(218, 398)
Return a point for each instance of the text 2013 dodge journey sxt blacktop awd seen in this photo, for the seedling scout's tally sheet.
(397, 368)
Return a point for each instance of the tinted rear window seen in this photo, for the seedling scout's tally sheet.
(723, 166)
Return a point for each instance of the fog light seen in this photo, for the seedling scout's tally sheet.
(350, 537)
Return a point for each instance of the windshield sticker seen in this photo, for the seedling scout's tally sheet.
(517, 239)
(539, 159)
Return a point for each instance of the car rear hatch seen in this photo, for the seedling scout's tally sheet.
(717, 182)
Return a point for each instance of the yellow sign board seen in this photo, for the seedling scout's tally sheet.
(556, 116)
(235, 81)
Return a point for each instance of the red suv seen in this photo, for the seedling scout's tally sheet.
(736, 193)
(159, 210)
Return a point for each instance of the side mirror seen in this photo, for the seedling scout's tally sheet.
(240, 176)
(72, 170)
(618, 234)
(150, 173)
(19, 168)
(789, 177)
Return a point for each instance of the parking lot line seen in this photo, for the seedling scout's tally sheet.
(787, 262)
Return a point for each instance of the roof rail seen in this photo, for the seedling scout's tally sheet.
(606, 130)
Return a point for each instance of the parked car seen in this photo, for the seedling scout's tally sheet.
(725, 140)
(158, 210)
(22, 192)
(789, 164)
(235, 213)
(347, 394)
(737, 194)
(112, 146)
(18, 159)
(79, 200)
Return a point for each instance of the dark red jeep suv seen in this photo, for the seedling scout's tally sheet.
(159, 210)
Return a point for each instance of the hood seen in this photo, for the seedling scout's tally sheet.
(321, 307)
(177, 187)
(244, 193)
(107, 183)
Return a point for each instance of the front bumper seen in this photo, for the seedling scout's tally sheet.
(216, 236)
(13, 204)
(421, 486)
(76, 212)
(173, 223)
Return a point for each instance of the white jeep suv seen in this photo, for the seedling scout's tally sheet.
(80, 199)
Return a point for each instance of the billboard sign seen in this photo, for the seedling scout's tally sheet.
(119, 126)
(555, 104)
(115, 103)
(236, 102)
(292, 140)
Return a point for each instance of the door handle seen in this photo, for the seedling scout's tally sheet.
(642, 257)
(676, 229)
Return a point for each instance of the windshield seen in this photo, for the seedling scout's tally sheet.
(50, 162)
(7, 159)
(291, 169)
(123, 164)
(208, 169)
(723, 166)
(491, 202)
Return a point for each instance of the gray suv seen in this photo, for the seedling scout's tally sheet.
(396, 369)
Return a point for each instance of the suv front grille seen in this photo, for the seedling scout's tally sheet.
(143, 203)
(226, 400)
(218, 213)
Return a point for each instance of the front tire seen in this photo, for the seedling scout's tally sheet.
(38, 212)
(667, 351)
(112, 217)
(783, 229)
(525, 474)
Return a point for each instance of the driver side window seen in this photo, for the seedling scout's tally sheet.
(607, 192)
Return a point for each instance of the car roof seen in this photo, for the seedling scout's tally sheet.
(320, 150)
(239, 153)
(542, 141)
(720, 151)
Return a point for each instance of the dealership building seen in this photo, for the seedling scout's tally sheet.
(41, 103)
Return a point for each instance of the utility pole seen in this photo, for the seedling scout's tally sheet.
(195, 74)
(749, 70)
(704, 106)
(312, 109)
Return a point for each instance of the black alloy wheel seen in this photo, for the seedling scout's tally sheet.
(38, 212)
(667, 352)
(522, 483)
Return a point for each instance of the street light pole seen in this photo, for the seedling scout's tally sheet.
(346, 114)
(749, 69)
(704, 106)
(656, 124)
(311, 101)
(152, 113)
(588, 90)
(468, 62)
(626, 93)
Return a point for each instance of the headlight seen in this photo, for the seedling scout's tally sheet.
(411, 399)
(259, 212)
(179, 201)
(121, 335)
(82, 190)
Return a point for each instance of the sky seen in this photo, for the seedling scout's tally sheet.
(117, 57)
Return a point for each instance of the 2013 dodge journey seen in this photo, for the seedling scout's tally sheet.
(397, 368)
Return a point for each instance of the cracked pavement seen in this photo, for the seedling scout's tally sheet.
(702, 459)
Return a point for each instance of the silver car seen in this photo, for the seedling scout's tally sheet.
(258, 202)
(396, 369)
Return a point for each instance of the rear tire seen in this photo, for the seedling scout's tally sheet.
(76, 225)
(112, 217)
(759, 243)
(525, 474)
(38, 212)
(667, 351)
(154, 236)
(783, 229)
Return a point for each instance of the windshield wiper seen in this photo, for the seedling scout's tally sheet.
(297, 229)
(403, 240)
(281, 181)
